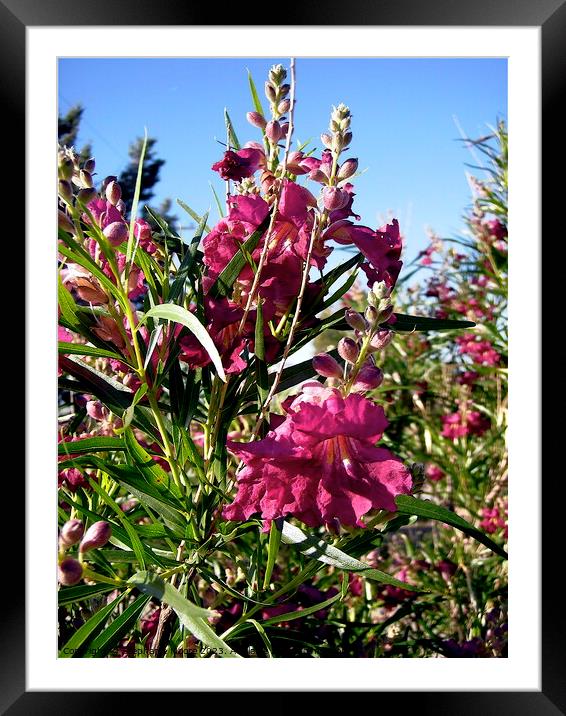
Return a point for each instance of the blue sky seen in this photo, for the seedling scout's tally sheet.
(404, 127)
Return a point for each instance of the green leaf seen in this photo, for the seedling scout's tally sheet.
(316, 548)
(103, 644)
(223, 284)
(178, 314)
(230, 130)
(217, 200)
(79, 642)
(255, 97)
(289, 616)
(88, 445)
(186, 265)
(407, 323)
(109, 391)
(193, 214)
(422, 508)
(259, 350)
(272, 550)
(71, 595)
(130, 251)
(79, 349)
(190, 615)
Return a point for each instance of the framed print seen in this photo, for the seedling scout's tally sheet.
(220, 496)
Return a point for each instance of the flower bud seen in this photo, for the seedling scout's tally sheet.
(380, 340)
(273, 131)
(355, 320)
(90, 290)
(64, 222)
(326, 139)
(334, 198)
(348, 350)
(267, 180)
(369, 378)
(340, 112)
(107, 330)
(348, 169)
(284, 129)
(256, 119)
(121, 206)
(69, 572)
(66, 169)
(89, 165)
(326, 366)
(85, 196)
(284, 90)
(65, 191)
(270, 92)
(284, 106)
(277, 74)
(86, 179)
(345, 140)
(71, 532)
(116, 233)
(371, 314)
(96, 536)
(96, 411)
(318, 176)
(113, 192)
(380, 289)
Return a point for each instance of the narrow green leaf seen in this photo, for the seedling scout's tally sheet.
(317, 548)
(423, 508)
(193, 214)
(78, 643)
(103, 644)
(149, 468)
(191, 616)
(88, 445)
(230, 129)
(262, 633)
(178, 314)
(130, 251)
(406, 323)
(289, 616)
(71, 595)
(255, 97)
(272, 550)
(80, 349)
(186, 265)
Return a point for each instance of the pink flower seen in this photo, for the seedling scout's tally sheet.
(382, 248)
(320, 464)
(238, 165)
(458, 425)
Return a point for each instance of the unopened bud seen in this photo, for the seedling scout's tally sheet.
(96, 536)
(334, 198)
(65, 190)
(71, 532)
(371, 314)
(267, 180)
(355, 320)
(319, 176)
(86, 179)
(256, 119)
(284, 90)
(380, 289)
(116, 232)
(277, 74)
(284, 129)
(370, 377)
(326, 366)
(326, 139)
(348, 169)
(273, 131)
(270, 92)
(113, 192)
(348, 350)
(96, 411)
(64, 222)
(284, 106)
(85, 196)
(66, 169)
(69, 572)
(380, 340)
(90, 290)
(89, 165)
(107, 181)
(345, 140)
(121, 206)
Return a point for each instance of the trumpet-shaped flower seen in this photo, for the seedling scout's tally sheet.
(320, 464)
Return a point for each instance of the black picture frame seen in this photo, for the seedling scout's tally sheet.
(550, 16)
